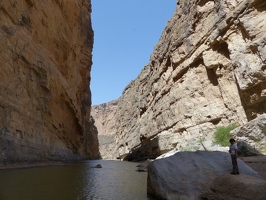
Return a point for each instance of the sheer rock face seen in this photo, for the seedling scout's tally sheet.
(104, 115)
(207, 70)
(45, 74)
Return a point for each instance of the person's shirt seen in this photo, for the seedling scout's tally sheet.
(233, 148)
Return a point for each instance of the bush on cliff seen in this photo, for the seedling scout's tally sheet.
(222, 136)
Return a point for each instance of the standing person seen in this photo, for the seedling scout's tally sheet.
(233, 151)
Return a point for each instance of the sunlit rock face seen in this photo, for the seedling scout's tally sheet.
(104, 116)
(207, 70)
(45, 52)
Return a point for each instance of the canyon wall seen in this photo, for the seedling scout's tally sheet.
(207, 70)
(46, 58)
(104, 115)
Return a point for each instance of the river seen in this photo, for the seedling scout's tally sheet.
(116, 180)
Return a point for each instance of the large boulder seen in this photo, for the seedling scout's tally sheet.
(253, 133)
(189, 175)
(245, 149)
(241, 187)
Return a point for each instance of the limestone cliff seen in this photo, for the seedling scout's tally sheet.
(45, 52)
(207, 70)
(104, 115)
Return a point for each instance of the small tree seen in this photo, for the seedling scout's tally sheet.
(222, 136)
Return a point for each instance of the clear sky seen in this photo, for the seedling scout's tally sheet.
(125, 33)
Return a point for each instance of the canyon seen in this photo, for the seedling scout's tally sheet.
(207, 70)
(45, 100)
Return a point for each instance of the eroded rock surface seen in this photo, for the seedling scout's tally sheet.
(104, 115)
(45, 52)
(195, 175)
(207, 70)
(253, 133)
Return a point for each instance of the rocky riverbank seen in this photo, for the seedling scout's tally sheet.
(31, 164)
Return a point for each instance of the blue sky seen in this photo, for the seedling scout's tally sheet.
(125, 33)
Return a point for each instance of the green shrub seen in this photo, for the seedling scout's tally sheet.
(222, 136)
(186, 2)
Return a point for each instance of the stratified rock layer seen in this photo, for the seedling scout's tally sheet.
(104, 115)
(207, 70)
(45, 52)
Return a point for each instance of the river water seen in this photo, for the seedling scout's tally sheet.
(116, 180)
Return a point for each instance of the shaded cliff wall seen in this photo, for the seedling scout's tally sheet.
(45, 52)
(207, 70)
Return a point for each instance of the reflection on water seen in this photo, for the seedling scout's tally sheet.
(116, 180)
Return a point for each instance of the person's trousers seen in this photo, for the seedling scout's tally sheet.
(234, 163)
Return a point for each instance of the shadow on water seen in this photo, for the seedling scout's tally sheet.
(115, 180)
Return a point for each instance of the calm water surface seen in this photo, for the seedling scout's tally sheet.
(116, 180)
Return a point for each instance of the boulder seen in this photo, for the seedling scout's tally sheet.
(98, 166)
(247, 150)
(189, 175)
(241, 187)
(253, 133)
